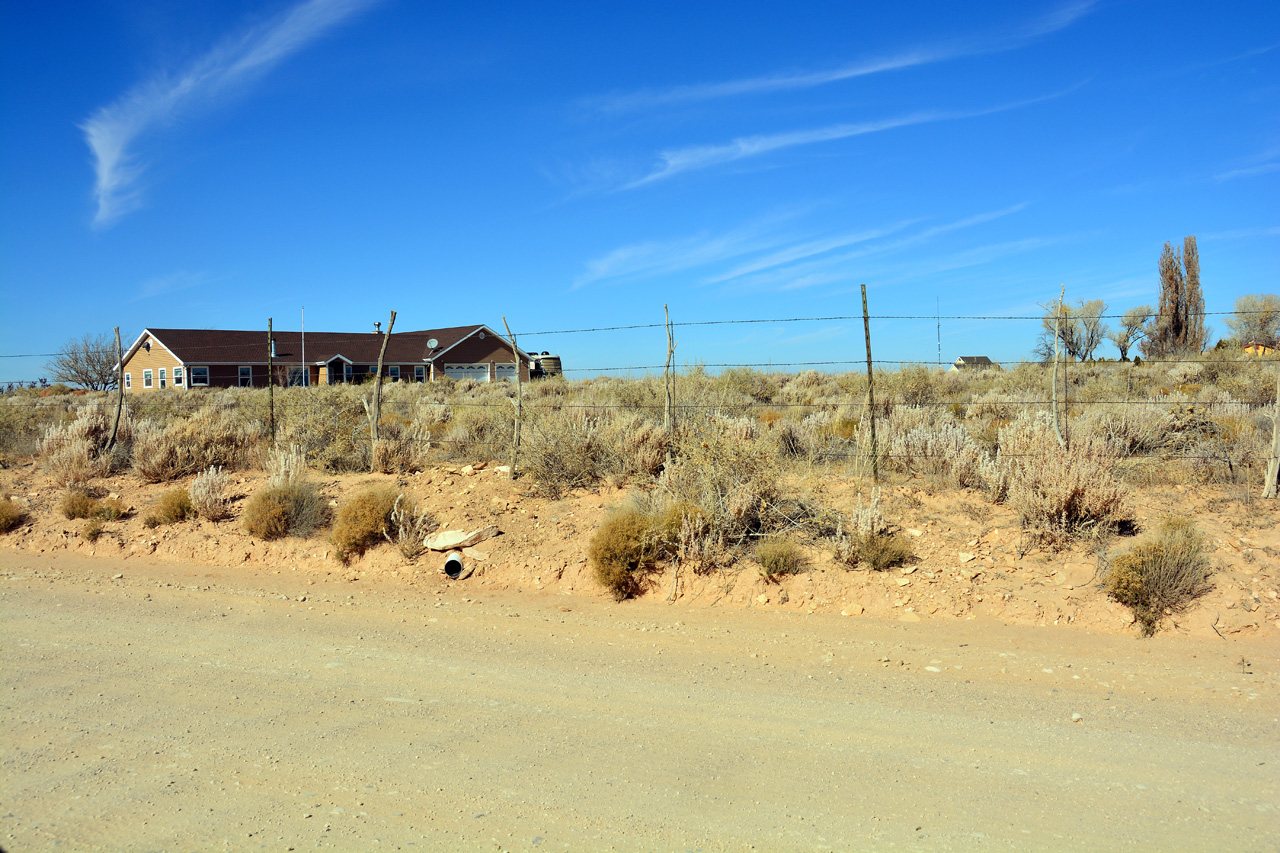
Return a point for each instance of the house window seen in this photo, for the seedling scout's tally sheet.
(163, 384)
(128, 381)
(419, 373)
(177, 377)
(346, 373)
(246, 376)
(296, 376)
(146, 379)
(393, 372)
(199, 376)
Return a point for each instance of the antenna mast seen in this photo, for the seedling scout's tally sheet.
(306, 371)
(938, 300)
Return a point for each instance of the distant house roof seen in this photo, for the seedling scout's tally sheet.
(1258, 348)
(237, 346)
(974, 361)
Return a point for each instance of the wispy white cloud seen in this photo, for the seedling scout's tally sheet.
(655, 257)
(841, 266)
(1060, 18)
(674, 161)
(113, 130)
(768, 254)
(1244, 233)
(1248, 171)
(172, 283)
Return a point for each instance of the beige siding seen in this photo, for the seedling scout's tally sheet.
(157, 358)
(491, 351)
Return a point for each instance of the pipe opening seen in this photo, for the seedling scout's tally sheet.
(453, 566)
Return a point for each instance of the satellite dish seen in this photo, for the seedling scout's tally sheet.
(432, 344)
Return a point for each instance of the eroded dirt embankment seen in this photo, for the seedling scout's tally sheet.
(972, 561)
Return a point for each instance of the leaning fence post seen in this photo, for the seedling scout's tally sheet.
(271, 385)
(1057, 320)
(1273, 466)
(515, 439)
(668, 383)
(115, 426)
(375, 414)
(871, 391)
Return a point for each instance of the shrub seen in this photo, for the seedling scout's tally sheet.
(879, 551)
(211, 436)
(1061, 493)
(11, 515)
(209, 494)
(623, 548)
(174, 506)
(361, 522)
(77, 504)
(92, 531)
(408, 527)
(292, 509)
(562, 452)
(1162, 575)
(110, 509)
(779, 556)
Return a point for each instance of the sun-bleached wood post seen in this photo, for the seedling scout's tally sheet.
(1273, 467)
(375, 412)
(871, 390)
(271, 382)
(519, 401)
(115, 426)
(1057, 320)
(668, 381)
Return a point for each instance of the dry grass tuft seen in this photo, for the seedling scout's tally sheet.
(361, 522)
(11, 515)
(624, 547)
(174, 506)
(1162, 575)
(295, 508)
(210, 494)
(408, 526)
(779, 556)
(77, 504)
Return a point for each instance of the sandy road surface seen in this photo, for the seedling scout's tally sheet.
(183, 708)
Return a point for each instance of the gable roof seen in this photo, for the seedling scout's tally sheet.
(237, 346)
(974, 360)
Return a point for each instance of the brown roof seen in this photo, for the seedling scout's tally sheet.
(236, 346)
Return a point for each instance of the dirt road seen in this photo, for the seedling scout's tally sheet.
(163, 707)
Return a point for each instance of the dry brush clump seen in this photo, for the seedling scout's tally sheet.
(778, 556)
(1163, 575)
(627, 545)
(210, 436)
(76, 451)
(291, 505)
(361, 522)
(1060, 493)
(211, 494)
(408, 525)
(11, 515)
(869, 540)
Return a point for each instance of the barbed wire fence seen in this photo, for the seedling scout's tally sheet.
(858, 395)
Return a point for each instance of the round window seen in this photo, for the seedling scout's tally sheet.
(482, 336)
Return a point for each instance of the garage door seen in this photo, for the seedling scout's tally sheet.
(478, 372)
(507, 372)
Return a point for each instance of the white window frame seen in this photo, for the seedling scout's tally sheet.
(513, 367)
(240, 375)
(419, 373)
(146, 379)
(164, 383)
(177, 377)
(128, 382)
(393, 372)
(194, 372)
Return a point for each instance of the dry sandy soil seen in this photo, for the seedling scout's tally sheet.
(189, 688)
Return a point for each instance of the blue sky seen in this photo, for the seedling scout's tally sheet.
(210, 164)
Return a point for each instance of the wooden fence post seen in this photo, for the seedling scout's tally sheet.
(668, 381)
(871, 391)
(271, 382)
(1273, 466)
(515, 439)
(1057, 320)
(375, 414)
(115, 426)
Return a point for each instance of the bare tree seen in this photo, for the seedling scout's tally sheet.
(1178, 326)
(1133, 328)
(1081, 329)
(1257, 319)
(88, 361)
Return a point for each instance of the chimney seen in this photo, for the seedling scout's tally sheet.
(377, 327)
